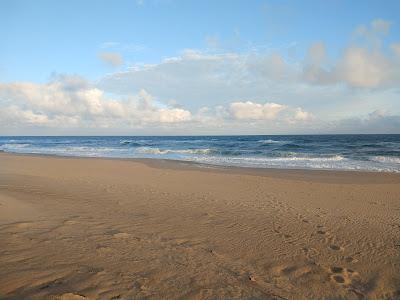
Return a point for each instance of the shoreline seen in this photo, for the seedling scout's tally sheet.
(76, 228)
(329, 175)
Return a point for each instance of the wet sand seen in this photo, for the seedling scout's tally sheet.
(76, 228)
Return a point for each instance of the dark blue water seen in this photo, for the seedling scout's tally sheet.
(335, 152)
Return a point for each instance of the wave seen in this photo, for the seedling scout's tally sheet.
(130, 143)
(292, 146)
(386, 159)
(326, 163)
(269, 141)
(320, 152)
(158, 151)
(10, 146)
(304, 158)
(309, 158)
(66, 150)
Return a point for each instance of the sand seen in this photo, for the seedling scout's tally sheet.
(75, 228)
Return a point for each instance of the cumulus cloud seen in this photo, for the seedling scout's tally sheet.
(302, 115)
(72, 101)
(360, 66)
(271, 113)
(374, 32)
(113, 59)
(255, 111)
(14, 116)
(198, 78)
(217, 92)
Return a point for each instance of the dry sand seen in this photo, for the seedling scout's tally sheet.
(73, 228)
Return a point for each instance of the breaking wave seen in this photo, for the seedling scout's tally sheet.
(157, 151)
(332, 152)
(270, 141)
(386, 159)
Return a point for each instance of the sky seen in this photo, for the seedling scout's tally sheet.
(170, 67)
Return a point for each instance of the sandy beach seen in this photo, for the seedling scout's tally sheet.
(76, 228)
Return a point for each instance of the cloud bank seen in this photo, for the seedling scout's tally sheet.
(198, 92)
(70, 101)
(198, 75)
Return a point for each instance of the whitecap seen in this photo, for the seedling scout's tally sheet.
(386, 159)
(158, 151)
(270, 141)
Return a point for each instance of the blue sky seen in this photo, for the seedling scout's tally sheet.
(128, 49)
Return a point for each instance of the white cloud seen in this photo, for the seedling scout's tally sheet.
(113, 59)
(366, 65)
(362, 68)
(71, 101)
(302, 115)
(14, 116)
(197, 78)
(251, 92)
(374, 32)
(255, 111)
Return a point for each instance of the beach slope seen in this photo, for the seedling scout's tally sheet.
(76, 228)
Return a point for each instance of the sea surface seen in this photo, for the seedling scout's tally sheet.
(379, 153)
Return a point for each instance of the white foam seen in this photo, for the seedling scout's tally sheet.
(269, 141)
(14, 146)
(305, 158)
(386, 159)
(213, 157)
(157, 151)
(328, 163)
(67, 150)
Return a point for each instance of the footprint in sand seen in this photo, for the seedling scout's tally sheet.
(336, 269)
(348, 259)
(338, 278)
(342, 275)
(103, 249)
(252, 278)
(335, 247)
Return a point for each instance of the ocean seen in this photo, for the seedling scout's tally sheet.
(379, 153)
